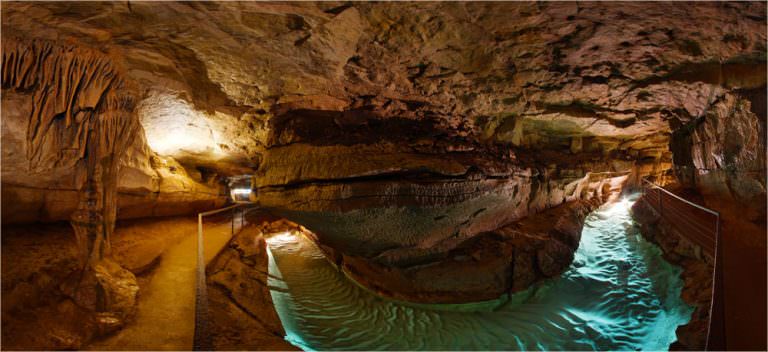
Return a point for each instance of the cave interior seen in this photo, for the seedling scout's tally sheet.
(377, 176)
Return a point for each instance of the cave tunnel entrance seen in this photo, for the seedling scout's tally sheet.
(241, 188)
(241, 194)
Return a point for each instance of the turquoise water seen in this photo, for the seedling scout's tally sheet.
(618, 294)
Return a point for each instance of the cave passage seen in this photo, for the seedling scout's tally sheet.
(618, 294)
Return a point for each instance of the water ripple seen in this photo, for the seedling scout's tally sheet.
(619, 294)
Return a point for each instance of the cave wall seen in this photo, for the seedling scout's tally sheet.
(722, 154)
(398, 190)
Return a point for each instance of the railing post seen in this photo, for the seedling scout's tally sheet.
(716, 336)
(201, 341)
(716, 327)
(661, 212)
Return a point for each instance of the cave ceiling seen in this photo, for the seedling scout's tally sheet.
(215, 78)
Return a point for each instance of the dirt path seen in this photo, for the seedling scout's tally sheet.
(166, 314)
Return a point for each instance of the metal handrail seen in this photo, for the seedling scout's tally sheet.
(717, 288)
(653, 185)
(201, 340)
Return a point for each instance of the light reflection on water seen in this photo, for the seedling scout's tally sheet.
(619, 294)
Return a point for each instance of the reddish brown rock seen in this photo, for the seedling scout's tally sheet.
(40, 265)
(596, 76)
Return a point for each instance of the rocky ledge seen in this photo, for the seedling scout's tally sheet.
(243, 316)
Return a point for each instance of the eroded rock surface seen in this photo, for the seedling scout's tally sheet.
(69, 110)
(610, 79)
(149, 185)
(399, 194)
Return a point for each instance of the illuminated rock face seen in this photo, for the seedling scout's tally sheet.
(172, 126)
(149, 185)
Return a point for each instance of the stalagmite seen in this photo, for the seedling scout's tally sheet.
(82, 104)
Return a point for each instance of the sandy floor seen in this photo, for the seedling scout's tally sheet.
(166, 314)
(37, 258)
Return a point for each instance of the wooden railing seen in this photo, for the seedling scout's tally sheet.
(701, 226)
(202, 341)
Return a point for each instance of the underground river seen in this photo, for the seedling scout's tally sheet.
(618, 294)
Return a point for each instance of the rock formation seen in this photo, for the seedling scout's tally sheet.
(484, 267)
(63, 100)
(402, 194)
(587, 76)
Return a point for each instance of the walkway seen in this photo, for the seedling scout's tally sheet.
(166, 313)
(743, 268)
(744, 279)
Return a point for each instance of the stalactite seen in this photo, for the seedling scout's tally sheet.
(82, 103)
(66, 80)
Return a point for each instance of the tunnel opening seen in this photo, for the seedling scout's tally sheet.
(240, 188)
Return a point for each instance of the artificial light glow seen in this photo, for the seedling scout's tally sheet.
(281, 238)
(621, 205)
(172, 126)
(241, 191)
(625, 203)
